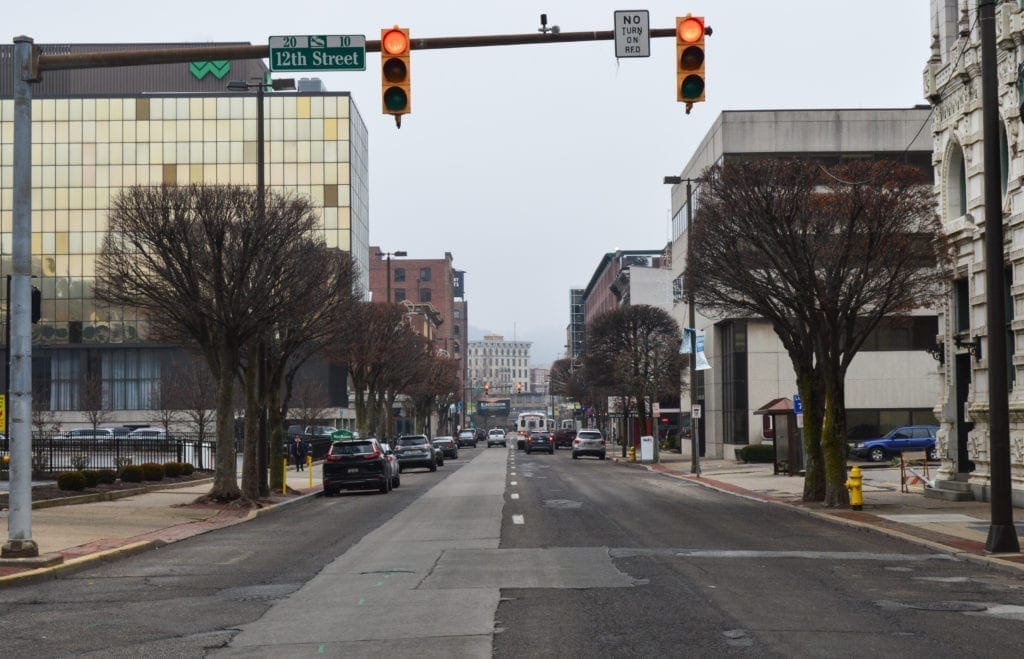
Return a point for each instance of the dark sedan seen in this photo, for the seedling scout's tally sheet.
(415, 451)
(449, 448)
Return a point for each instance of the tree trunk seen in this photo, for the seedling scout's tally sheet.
(833, 441)
(250, 468)
(812, 396)
(225, 476)
(276, 455)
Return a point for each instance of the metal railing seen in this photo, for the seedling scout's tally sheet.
(57, 452)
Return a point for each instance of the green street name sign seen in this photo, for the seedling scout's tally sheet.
(318, 52)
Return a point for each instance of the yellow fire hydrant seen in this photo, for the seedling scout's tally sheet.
(631, 454)
(855, 484)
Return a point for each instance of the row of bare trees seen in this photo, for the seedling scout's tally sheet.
(255, 293)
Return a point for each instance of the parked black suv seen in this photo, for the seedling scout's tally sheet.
(359, 464)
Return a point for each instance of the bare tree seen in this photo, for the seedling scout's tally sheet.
(310, 402)
(165, 400)
(44, 420)
(635, 350)
(825, 257)
(435, 388)
(97, 412)
(197, 262)
(192, 385)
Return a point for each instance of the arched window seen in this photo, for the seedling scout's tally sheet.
(956, 183)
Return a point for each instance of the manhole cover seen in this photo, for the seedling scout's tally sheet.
(562, 503)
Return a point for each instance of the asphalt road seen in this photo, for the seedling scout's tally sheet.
(513, 555)
(718, 575)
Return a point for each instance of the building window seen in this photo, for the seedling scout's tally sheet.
(457, 313)
(399, 274)
(424, 295)
(424, 274)
(734, 383)
(956, 188)
(962, 305)
(399, 294)
(455, 330)
(914, 333)
(129, 378)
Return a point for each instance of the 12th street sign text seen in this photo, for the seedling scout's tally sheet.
(318, 52)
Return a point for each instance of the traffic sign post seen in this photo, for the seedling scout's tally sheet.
(318, 52)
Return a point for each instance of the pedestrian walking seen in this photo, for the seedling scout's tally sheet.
(299, 448)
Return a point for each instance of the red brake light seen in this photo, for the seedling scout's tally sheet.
(372, 456)
(330, 457)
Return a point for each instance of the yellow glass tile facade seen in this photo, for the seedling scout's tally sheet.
(86, 149)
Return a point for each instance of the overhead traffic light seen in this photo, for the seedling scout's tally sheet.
(519, 387)
(487, 388)
(395, 76)
(690, 81)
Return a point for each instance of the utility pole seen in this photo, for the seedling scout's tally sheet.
(1002, 535)
(692, 321)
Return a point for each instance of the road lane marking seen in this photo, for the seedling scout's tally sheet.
(515, 496)
(514, 482)
(518, 519)
(627, 552)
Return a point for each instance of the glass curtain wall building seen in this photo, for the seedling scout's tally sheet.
(85, 149)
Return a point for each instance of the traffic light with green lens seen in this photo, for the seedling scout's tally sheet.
(690, 81)
(395, 75)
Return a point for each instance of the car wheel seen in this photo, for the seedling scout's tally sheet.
(551, 451)
(877, 454)
(574, 456)
(933, 454)
(396, 482)
(602, 457)
(328, 493)
(440, 463)
(433, 467)
(384, 487)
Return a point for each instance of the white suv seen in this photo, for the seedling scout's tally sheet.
(589, 441)
(495, 437)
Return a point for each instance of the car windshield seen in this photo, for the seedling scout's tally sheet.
(351, 448)
(412, 441)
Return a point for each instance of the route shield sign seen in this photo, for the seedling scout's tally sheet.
(318, 52)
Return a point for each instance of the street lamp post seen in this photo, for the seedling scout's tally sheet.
(261, 85)
(388, 259)
(692, 320)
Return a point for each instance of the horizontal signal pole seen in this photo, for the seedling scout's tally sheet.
(60, 62)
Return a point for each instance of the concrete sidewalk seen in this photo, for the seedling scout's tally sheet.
(957, 527)
(86, 533)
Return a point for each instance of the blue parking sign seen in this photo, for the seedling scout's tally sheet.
(798, 407)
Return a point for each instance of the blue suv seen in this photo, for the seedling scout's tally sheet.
(897, 440)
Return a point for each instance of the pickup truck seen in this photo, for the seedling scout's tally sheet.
(564, 437)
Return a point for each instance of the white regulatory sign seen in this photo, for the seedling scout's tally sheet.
(632, 33)
(695, 411)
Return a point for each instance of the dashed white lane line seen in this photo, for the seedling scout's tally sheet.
(513, 482)
(515, 496)
(512, 473)
(518, 519)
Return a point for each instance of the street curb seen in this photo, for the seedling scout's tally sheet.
(78, 563)
(703, 481)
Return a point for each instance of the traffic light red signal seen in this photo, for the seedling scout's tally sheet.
(690, 81)
(519, 387)
(396, 98)
(487, 388)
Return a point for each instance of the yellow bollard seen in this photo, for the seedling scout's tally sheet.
(309, 468)
(631, 454)
(284, 476)
(855, 485)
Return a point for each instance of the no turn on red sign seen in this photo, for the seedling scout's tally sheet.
(632, 33)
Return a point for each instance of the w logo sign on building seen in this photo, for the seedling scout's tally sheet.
(217, 69)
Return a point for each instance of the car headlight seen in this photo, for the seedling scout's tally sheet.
(859, 445)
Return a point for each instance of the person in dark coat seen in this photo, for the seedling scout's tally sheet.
(299, 449)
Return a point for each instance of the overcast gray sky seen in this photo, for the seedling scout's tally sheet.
(528, 163)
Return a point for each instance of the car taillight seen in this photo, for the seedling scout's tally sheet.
(332, 458)
(372, 456)
(602, 442)
(575, 442)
